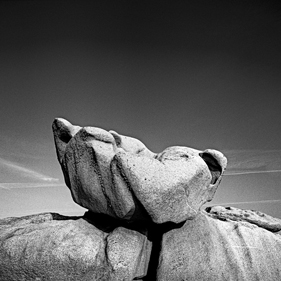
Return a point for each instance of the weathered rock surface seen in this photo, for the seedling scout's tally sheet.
(53, 247)
(117, 175)
(96, 247)
(144, 221)
(255, 217)
(208, 248)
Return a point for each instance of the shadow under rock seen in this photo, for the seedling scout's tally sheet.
(59, 217)
(154, 233)
(108, 224)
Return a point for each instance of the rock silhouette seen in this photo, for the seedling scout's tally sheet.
(145, 218)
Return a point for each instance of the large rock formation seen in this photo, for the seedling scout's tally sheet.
(144, 221)
(117, 175)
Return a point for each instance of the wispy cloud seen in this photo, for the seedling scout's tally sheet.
(252, 172)
(244, 162)
(251, 202)
(26, 172)
(12, 185)
(25, 148)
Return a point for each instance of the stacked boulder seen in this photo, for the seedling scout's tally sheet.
(144, 221)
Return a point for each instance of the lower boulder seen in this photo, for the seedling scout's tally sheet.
(210, 248)
(53, 247)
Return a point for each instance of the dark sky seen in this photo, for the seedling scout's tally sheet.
(204, 74)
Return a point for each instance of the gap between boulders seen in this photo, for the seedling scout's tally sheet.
(154, 233)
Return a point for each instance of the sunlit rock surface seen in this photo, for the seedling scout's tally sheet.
(251, 216)
(117, 175)
(53, 247)
(208, 248)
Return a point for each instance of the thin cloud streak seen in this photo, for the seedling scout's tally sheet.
(244, 162)
(3, 186)
(27, 172)
(252, 172)
(253, 158)
(28, 185)
(251, 202)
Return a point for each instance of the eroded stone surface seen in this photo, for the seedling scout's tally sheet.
(144, 221)
(251, 216)
(206, 248)
(117, 175)
(53, 247)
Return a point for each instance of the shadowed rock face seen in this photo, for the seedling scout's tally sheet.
(119, 176)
